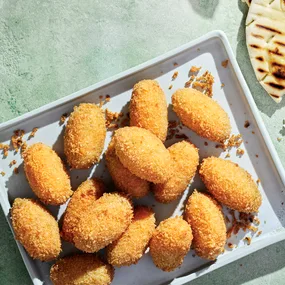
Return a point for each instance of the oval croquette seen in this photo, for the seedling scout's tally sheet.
(201, 114)
(123, 179)
(81, 269)
(131, 246)
(230, 184)
(205, 216)
(143, 154)
(86, 194)
(46, 174)
(84, 136)
(185, 159)
(148, 108)
(36, 229)
(170, 243)
(105, 221)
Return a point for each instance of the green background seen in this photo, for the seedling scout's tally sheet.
(49, 49)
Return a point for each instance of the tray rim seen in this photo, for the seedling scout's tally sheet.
(276, 237)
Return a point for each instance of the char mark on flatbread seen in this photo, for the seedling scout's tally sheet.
(260, 58)
(268, 29)
(275, 85)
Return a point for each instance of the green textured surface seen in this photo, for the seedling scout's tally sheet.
(49, 49)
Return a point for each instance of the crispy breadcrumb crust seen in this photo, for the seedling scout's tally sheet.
(86, 194)
(207, 222)
(148, 108)
(46, 174)
(103, 222)
(81, 269)
(131, 246)
(201, 114)
(36, 229)
(143, 154)
(230, 184)
(124, 180)
(84, 136)
(185, 159)
(170, 243)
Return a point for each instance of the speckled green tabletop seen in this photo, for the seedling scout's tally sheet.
(49, 49)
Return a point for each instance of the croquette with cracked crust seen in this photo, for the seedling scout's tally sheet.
(230, 184)
(185, 159)
(170, 243)
(104, 222)
(86, 194)
(143, 154)
(207, 222)
(46, 174)
(36, 229)
(81, 269)
(131, 246)
(201, 114)
(148, 108)
(84, 136)
(124, 180)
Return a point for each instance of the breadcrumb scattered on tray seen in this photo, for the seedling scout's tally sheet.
(175, 74)
(5, 148)
(195, 69)
(32, 134)
(259, 233)
(225, 63)
(246, 124)
(16, 170)
(248, 240)
(2, 173)
(13, 162)
(230, 245)
(240, 151)
(258, 181)
(63, 118)
(222, 85)
(170, 86)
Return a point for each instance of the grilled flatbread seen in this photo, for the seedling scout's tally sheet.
(265, 37)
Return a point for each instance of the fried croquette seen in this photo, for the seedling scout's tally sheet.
(81, 269)
(230, 184)
(205, 216)
(148, 108)
(103, 222)
(131, 246)
(185, 159)
(46, 174)
(84, 136)
(123, 179)
(143, 154)
(86, 194)
(201, 114)
(170, 243)
(36, 229)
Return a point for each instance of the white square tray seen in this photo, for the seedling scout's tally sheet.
(208, 51)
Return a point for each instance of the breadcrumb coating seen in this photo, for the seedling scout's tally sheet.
(170, 243)
(84, 136)
(143, 154)
(103, 222)
(81, 269)
(36, 229)
(207, 222)
(148, 108)
(46, 174)
(131, 246)
(124, 180)
(185, 159)
(86, 194)
(201, 114)
(230, 184)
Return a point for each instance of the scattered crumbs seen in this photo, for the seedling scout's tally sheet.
(253, 229)
(256, 155)
(181, 136)
(190, 81)
(256, 221)
(246, 124)
(172, 124)
(101, 97)
(225, 63)
(24, 147)
(233, 141)
(205, 143)
(253, 132)
(223, 250)
(228, 155)
(240, 265)
(77, 177)
(16, 170)
(175, 64)
(111, 117)
(258, 181)
(107, 98)
(248, 240)
(5, 148)
(240, 151)
(259, 233)
(222, 85)
(17, 140)
(13, 162)
(230, 245)
(246, 142)
(205, 82)
(243, 222)
(170, 86)
(193, 255)
(195, 69)
(63, 118)
(32, 134)
(2, 173)
(175, 74)
(282, 203)
(279, 139)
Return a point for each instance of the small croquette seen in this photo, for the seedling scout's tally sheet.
(148, 108)
(36, 229)
(185, 159)
(104, 222)
(86, 194)
(170, 243)
(46, 174)
(131, 246)
(84, 136)
(207, 222)
(143, 154)
(81, 269)
(123, 179)
(230, 184)
(201, 114)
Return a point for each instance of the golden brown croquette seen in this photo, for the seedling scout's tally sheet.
(230, 184)
(46, 174)
(36, 229)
